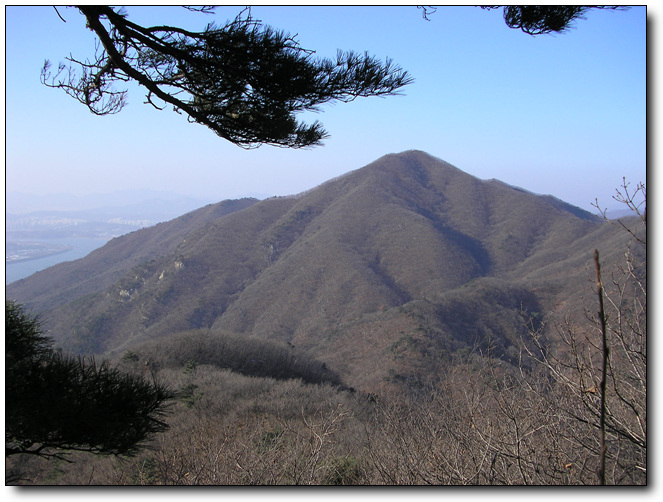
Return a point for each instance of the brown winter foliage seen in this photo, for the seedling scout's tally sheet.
(403, 324)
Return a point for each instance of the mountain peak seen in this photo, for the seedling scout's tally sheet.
(412, 159)
(342, 270)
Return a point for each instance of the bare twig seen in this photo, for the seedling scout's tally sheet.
(605, 352)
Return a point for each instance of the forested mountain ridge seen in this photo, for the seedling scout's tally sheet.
(381, 273)
(69, 280)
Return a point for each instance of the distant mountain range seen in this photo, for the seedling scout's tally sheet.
(99, 215)
(127, 201)
(383, 273)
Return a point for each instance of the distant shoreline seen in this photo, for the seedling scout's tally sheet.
(36, 254)
(23, 263)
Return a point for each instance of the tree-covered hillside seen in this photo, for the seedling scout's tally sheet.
(408, 248)
(403, 324)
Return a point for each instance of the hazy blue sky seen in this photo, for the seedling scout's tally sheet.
(562, 115)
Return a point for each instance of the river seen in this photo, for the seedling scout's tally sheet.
(80, 247)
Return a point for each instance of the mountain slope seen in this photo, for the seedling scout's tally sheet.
(382, 273)
(68, 281)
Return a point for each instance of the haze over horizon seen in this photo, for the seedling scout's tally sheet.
(563, 115)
